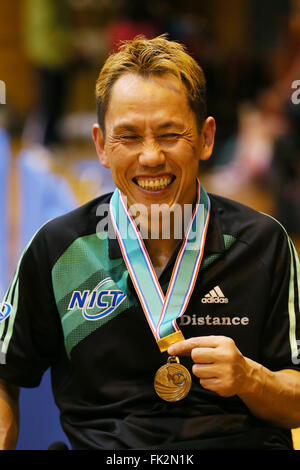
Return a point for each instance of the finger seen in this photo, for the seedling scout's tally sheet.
(182, 348)
(203, 355)
(204, 371)
(210, 384)
(185, 347)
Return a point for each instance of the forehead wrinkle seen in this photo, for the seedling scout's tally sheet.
(168, 124)
(125, 127)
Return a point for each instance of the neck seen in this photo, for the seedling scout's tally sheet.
(162, 235)
(160, 251)
(163, 228)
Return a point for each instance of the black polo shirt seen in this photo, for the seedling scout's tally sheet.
(74, 309)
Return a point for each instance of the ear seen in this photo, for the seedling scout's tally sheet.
(99, 142)
(208, 138)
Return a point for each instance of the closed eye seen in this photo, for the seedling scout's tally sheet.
(129, 137)
(170, 136)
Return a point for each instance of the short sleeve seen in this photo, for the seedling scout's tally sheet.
(281, 333)
(29, 322)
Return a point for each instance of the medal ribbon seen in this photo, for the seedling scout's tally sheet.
(161, 310)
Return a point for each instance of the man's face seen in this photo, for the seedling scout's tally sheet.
(152, 144)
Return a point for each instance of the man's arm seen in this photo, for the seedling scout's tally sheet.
(9, 415)
(220, 366)
(274, 396)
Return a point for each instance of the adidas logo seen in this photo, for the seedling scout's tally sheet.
(215, 296)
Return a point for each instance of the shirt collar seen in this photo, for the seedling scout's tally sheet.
(214, 240)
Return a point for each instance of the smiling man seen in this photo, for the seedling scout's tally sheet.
(161, 342)
(152, 143)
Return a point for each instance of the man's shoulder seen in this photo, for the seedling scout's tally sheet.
(81, 220)
(244, 222)
(58, 233)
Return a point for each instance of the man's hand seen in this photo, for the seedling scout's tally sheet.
(221, 367)
(9, 415)
(218, 363)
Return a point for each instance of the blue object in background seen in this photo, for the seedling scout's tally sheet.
(4, 193)
(39, 418)
(99, 178)
(43, 196)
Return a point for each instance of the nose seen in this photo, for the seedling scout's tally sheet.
(151, 154)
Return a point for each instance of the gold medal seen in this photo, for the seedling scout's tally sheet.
(172, 381)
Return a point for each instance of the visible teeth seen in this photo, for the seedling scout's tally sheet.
(155, 184)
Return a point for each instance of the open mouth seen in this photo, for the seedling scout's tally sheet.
(154, 183)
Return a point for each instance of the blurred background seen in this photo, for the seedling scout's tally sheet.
(51, 53)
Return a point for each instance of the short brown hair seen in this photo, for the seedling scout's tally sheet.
(150, 57)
